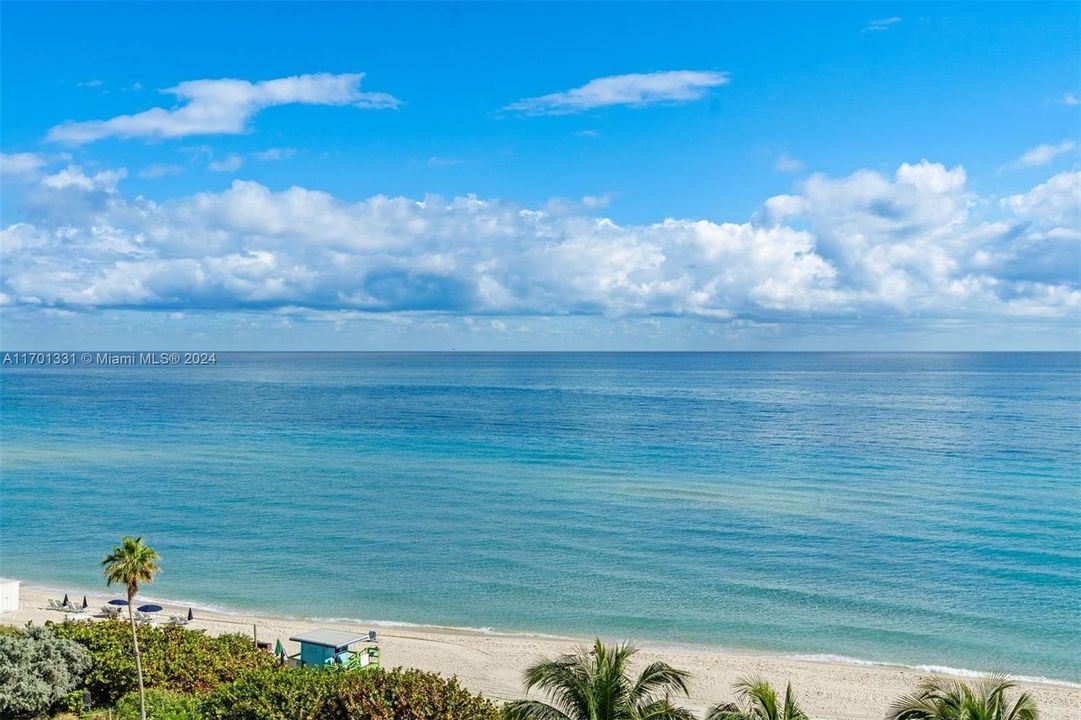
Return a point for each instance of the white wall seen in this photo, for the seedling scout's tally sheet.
(9, 596)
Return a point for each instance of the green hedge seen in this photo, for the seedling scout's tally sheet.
(160, 705)
(313, 694)
(174, 658)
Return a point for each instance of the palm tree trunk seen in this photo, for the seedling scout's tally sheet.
(138, 658)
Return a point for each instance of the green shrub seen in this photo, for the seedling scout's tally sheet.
(313, 694)
(160, 705)
(174, 658)
(37, 669)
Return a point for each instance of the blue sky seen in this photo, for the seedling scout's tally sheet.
(547, 176)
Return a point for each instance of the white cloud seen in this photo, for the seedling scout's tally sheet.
(73, 177)
(881, 24)
(160, 171)
(16, 164)
(637, 89)
(1069, 98)
(229, 164)
(224, 107)
(1042, 154)
(90, 84)
(1055, 204)
(917, 243)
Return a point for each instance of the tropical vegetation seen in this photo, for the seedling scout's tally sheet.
(596, 684)
(756, 699)
(37, 669)
(939, 698)
(174, 658)
(346, 695)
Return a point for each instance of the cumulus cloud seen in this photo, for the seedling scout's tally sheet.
(917, 243)
(73, 177)
(224, 106)
(636, 89)
(1069, 99)
(1042, 154)
(1055, 204)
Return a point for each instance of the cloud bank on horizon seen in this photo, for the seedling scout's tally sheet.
(916, 243)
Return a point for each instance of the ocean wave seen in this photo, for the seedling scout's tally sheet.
(933, 669)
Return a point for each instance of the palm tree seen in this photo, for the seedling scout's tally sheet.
(943, 699)
(757, 700)
(130, 563)
(596, 685)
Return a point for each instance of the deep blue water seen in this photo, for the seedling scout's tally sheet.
(920, 509)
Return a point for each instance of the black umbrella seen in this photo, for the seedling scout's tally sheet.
(191, 616)
(65, 598)
(118, 602)
(150, 608)
(85, 603)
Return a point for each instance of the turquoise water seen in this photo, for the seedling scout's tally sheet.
(919, 509)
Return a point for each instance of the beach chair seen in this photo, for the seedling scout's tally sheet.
(74, 608)
(178, 620)
(56, 605)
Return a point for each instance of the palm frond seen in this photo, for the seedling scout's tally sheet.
(726, 711)
(532, 710)
(659, 677)
(663, 710)
(759, 698)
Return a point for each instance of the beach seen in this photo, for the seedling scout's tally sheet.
(492, 663)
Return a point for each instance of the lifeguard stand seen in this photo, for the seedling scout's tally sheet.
(323, 647)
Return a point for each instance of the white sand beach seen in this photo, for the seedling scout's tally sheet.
(492, 664)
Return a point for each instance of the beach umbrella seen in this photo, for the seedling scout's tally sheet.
(150, 608)
(65, 598)
(278, 649)
(191, 615)
(85, 603)
(118, 601)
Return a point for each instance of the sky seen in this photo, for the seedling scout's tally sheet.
(765, 176)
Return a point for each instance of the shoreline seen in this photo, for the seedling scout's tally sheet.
(491, 662)
(658, 646)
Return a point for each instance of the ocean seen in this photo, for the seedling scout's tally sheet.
(920, 509)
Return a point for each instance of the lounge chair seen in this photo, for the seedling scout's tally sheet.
(56, 605)
(74, 608)
(178, 620)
